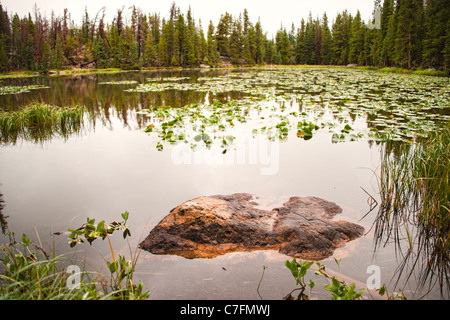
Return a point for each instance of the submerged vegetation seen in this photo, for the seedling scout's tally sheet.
(414, 212)
(40, 122)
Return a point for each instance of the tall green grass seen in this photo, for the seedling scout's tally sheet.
(40, 122)
(415, 207)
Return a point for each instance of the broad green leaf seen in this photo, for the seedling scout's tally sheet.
(25, 240)
(125, 215)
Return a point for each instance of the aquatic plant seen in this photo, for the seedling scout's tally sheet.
(349, 104)
(122, 82)
(28, 272)
(168, 79)
(338, 287)
(298, 270)
(40, 122)
(20, 89)
(121, 269)
(415, 206)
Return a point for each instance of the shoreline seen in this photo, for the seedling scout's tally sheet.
(74, 71)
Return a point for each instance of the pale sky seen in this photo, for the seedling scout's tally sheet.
(272, 14)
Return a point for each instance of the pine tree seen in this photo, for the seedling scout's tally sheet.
(387, 11)
(308, 50)
(283, 47)
(437, 13)
(134, 54)
(16, 45)
(29, 53)
(59, 59)
(180, 43)
(211, 45)
(340, 29)
(223, 31)
(175, 61)
(164, 45)
(236, 43)
(389, 40)
(154, 23)
(260, 40)
(4, 60)
(247, 39)
(300, 57)
(413, 33)
(271, 56)
(114, 43)
(46, 61)
(325, 47)
(408, 45)
(203, 46)
(150, 52)
(192, 43)
(317, 42)
(356, 42)
(100, 54)
(85, 26)
(5, 40)
(5, 28)
(141, 36)
(447, 50)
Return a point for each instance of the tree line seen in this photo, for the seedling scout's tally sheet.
(407, 34)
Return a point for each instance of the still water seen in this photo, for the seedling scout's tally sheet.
(113, 166)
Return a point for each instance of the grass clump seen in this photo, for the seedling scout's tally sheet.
(415, 206)
(30, 273)
(40, 122)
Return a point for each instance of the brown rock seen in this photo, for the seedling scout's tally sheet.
(206, 227)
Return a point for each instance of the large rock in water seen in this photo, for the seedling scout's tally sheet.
(210, 226)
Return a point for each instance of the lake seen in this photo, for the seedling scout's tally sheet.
(153, 140)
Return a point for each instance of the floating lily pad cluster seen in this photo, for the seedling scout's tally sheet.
(20, 89)
(166, 79)
(122, 82)
(346, 103)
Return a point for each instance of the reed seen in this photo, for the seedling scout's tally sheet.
(40, 122)
(414, 210)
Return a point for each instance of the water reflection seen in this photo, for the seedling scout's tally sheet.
(115, 168)
(413, 213)
(3, 222)
(88, 90)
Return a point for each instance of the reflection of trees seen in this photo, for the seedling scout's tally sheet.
(3, 223)
(102, 100)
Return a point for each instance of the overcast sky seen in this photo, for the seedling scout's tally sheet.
(272, 14)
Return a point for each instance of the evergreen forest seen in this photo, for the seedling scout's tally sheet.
(409, 34)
